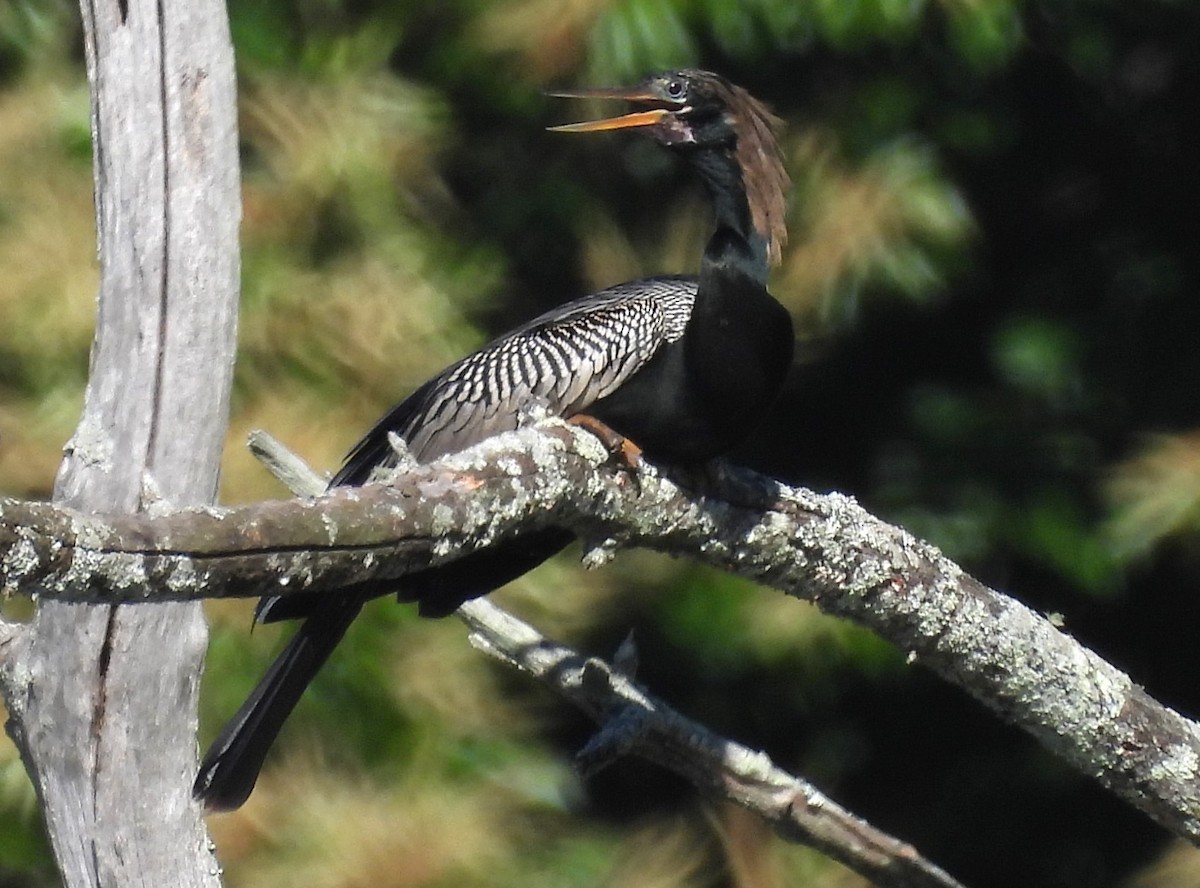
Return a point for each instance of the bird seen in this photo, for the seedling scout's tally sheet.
(679, 367)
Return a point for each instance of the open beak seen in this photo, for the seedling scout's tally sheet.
(625, 121)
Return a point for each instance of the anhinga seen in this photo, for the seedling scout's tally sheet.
(681, 366)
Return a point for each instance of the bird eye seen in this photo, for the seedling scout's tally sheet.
(676, 89)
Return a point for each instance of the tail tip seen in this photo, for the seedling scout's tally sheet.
(219, 796)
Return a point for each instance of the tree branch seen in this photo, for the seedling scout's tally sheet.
(102, 700)
(631, 721)
(823, 548)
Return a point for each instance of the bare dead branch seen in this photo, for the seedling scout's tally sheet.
(796, 809)
(102, 700)
(293, 472)
(823, 548)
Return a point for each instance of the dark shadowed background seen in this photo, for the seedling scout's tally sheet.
(993, 267)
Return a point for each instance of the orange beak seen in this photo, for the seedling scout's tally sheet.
(624, 121)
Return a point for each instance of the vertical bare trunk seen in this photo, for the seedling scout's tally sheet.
(104, 707)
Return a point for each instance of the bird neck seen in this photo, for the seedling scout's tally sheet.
(723, 178)
(730, 269)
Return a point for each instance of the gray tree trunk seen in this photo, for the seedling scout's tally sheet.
(106, 709)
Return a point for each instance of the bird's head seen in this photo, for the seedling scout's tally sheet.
(698, 111)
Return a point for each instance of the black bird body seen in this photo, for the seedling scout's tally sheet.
(681, 366)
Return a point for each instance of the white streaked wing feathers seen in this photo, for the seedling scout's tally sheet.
(566, 359)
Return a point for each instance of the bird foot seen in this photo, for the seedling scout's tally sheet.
(730, 484)
(627, 454)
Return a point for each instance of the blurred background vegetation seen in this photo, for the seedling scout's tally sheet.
(993, 269)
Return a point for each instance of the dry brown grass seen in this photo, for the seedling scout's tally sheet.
(48, 280)
(339, 831)
(857, 224)
(548, 37)
(1155, 493)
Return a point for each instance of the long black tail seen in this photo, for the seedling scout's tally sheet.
(230, 769)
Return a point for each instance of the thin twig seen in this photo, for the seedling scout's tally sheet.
(633, 721)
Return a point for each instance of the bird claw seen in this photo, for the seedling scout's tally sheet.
(626, 454)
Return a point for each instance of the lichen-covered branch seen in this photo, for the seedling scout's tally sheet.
(823, 548)
(633, 721)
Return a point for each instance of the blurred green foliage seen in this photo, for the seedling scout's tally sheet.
(994, 280)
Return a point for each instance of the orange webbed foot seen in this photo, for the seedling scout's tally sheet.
(627, 454)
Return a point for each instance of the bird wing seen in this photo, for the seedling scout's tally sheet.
(563, 361)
